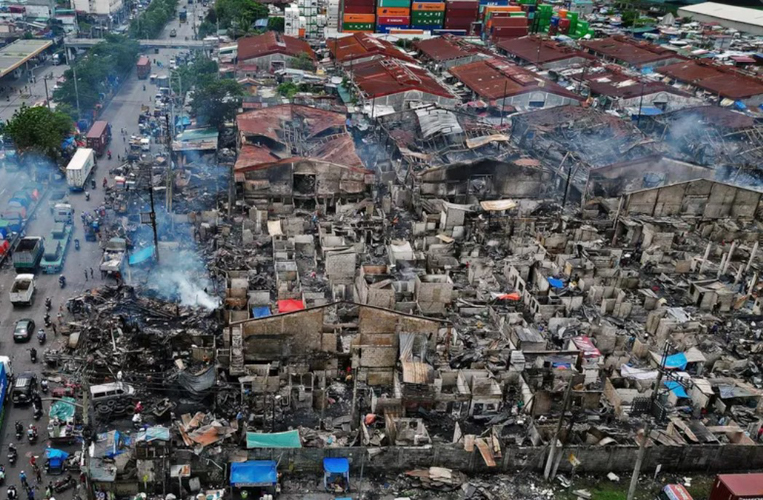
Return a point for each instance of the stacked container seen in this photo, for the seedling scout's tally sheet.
(359, 15)
(427, 15)
(460, 14)
(392, 15)
(508, 27)
(544, 14)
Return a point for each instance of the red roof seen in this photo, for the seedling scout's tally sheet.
(496, 79)
(527, 49)
(725, 81)
(270, 121)
(616, 84)
(445, 48)
(272, 43)
(388, 77)
(743, 485)
(362, 46)
(253, 155)
(97, 129)
(630, 51)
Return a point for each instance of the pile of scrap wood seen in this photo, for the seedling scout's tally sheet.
(437, 478)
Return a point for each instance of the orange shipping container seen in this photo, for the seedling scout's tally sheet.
(393, 11)
(428, 6)
(359, 18)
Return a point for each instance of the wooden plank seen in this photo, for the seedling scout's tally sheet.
(469, 442)
(485, 451)
(684, 428)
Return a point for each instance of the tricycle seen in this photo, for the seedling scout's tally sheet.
(76, 243)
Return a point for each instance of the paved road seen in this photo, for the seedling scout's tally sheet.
(122, 112)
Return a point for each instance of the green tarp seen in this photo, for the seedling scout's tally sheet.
(288, 439)
(62, 409)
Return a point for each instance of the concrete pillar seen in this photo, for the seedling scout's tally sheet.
(731, 254)
(721, 266)
(704, 258)
(752, 256)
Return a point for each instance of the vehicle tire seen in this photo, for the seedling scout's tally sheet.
(111, 403)
(130, 409)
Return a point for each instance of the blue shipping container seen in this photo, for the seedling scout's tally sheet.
(500, 3)
(385, 28)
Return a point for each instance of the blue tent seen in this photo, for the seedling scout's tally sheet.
(253, 473)
(676, 389)
(261, 311)
(141, 256)
(336, 474)
(676, 361)
(56, 457)
(556, 283)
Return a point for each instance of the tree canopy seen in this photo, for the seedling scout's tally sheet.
(200, 72)
(153, 20)
(38, 129)
(237, 16)
(216, 102)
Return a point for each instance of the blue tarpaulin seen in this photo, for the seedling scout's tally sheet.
(156, 433)
(556, 283)
(253, 473)
(261, 312)
(336, 465)
(288, 439)
(676, 361)
(56, 457)
(676, 389)
(141, 256)
(740, 105)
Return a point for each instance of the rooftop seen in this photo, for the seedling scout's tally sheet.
(619, 85)
(363, 45)
(445, 48)
(496, 78)
(388, 76)
(527, 49)
(629, 51)
(725, 81)
(272, 43)
(726, 12)
(270, 121)
(17, 53)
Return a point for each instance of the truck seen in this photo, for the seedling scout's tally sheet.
(737, 487)
(98, 136)
(79, 169)
(22, 290)
(55, 251)
(144, 67)
(674, 492)
(113, 256)
(28, 253)
(183, 17)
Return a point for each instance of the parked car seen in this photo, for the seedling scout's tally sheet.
(173, 33)
(23, 388)
(23, 330)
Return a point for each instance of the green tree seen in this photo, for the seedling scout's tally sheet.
(152, 21)
(303, 61)
(38, 129)
(216, 102)
(238, 14)
(288, 89)
(200, 72)
(276, 24)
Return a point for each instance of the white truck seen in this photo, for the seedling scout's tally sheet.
(22, 290)
(113, 255)
(79, 169)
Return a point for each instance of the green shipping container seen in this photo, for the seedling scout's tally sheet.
(418, 14)
(358, 26)
(395, 3)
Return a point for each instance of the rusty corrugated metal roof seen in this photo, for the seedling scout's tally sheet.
(537, 50)
(444, 48)
(362, 46)
(388, 77)
(272, 43)
(270, 121)
(725, 81)
(630, 51)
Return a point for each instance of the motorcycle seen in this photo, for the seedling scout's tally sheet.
(62, 279)
(46, 319)
(41, 337)
(44, 386)
(2, 474)
(92, 181)
(12, 455)
(31, 435)
(19, 430)
(109, 156)
(37, 412)
(33, 354)
(87, 196)
(12, 493)
(76, 243)
(64, 484)
(48, 304)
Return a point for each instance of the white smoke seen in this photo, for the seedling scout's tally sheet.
(182, 277)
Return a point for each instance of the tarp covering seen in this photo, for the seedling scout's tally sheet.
(290, 305)
(336, 465)
(288, 439)
(628, 371)
(676, 389)
(253, 473)
(506, 296)
(198, 384)
(156, 433)
(63, 409)
(677, 360)
(141, 255)
(107, 445)
(56, 456)
(261, 312)
(556, 283)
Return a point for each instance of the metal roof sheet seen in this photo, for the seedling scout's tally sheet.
(272, 43)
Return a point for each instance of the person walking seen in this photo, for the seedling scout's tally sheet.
(85, 274)
(91, 273)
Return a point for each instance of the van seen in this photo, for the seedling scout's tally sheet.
(62, 212)
(113, 390)
(6, 362)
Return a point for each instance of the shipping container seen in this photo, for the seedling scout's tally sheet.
(144, 67)
(357, 31)
(394, 21)
(364, 3)
(358, 18)
(428, 6)
(395, 3)
(426, 27)
(360, 9)
(393, 11)
(380, 28)
(357, 26)
(737, 487)
(98, 137)
(455, 32)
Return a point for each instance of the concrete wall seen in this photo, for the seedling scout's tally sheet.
(593, 459)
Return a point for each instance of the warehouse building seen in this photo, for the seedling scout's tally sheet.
(729, 16)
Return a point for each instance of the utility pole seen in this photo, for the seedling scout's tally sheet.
(639, 461)
(76, 90)
(47, 97)
(170, 180)
(150, 218)
(503, 98)
(552, 452)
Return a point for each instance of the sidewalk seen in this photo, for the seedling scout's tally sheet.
(31, 93)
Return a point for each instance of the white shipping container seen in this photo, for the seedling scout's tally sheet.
(79, 168)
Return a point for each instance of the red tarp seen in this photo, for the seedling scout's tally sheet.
(290, 305)
(4, 246)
